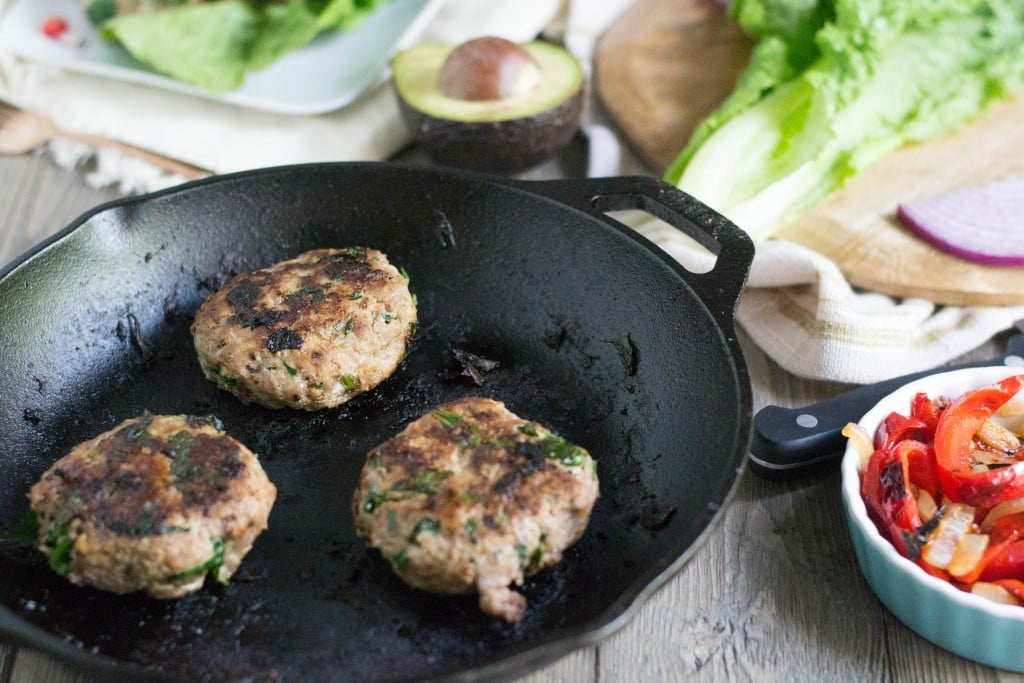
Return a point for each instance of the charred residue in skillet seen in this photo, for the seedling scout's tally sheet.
(34, 415)
(562, 335)
(654, 516)
(474, 366)
(629, 354)
(185, 632)
(555, 336)
(129, 330)
(445, 231)
(148, 256)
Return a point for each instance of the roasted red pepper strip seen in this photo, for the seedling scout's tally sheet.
(885, 488)
(1007, 563)
(934, 571)
(1003, 534)
(896, 428)
(921, 467)
(954, 437)
(928, 411)
(1015, 587)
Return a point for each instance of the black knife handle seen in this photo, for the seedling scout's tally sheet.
(790, 442)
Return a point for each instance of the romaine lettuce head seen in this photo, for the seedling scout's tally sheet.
(885, 72)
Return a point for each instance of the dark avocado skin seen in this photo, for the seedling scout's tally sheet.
(507, 146)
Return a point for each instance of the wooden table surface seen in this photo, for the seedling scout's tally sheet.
(773, 595)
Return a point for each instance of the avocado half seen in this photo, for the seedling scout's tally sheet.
(500, 135)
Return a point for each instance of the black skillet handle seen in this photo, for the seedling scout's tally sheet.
(790, 442)
(719, 288)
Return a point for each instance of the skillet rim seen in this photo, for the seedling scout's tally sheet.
(560, 642)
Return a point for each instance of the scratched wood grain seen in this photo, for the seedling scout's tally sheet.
(37, 199)
(773, 595)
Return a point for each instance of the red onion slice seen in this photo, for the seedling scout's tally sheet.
(983, 223)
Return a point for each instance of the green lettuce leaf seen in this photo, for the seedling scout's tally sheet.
(808, 115)
(214, 44)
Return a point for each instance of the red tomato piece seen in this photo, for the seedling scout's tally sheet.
(55, 27)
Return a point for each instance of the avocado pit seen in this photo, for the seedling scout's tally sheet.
(489, 104)
(488, 69)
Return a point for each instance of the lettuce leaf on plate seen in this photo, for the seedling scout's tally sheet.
(833, 85)
(214, 44)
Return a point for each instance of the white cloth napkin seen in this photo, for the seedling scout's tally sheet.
(797, 305)
(799, 308)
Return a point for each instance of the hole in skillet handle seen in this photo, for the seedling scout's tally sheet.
(717, 276)
(690, 253)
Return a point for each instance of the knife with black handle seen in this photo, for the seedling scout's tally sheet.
(790, 442)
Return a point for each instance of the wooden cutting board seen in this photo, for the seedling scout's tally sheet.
(666, 63)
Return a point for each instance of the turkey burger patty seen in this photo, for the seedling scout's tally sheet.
(310, 332)
(153, 505)
(472, 498)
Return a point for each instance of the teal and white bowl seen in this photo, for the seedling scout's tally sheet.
(966, 624)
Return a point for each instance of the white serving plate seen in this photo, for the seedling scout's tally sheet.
(323, 76)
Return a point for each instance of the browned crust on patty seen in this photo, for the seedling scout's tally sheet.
(471, 498)
(309, 332)
(144, 505)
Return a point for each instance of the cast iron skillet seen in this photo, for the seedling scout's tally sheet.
(598, 334)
